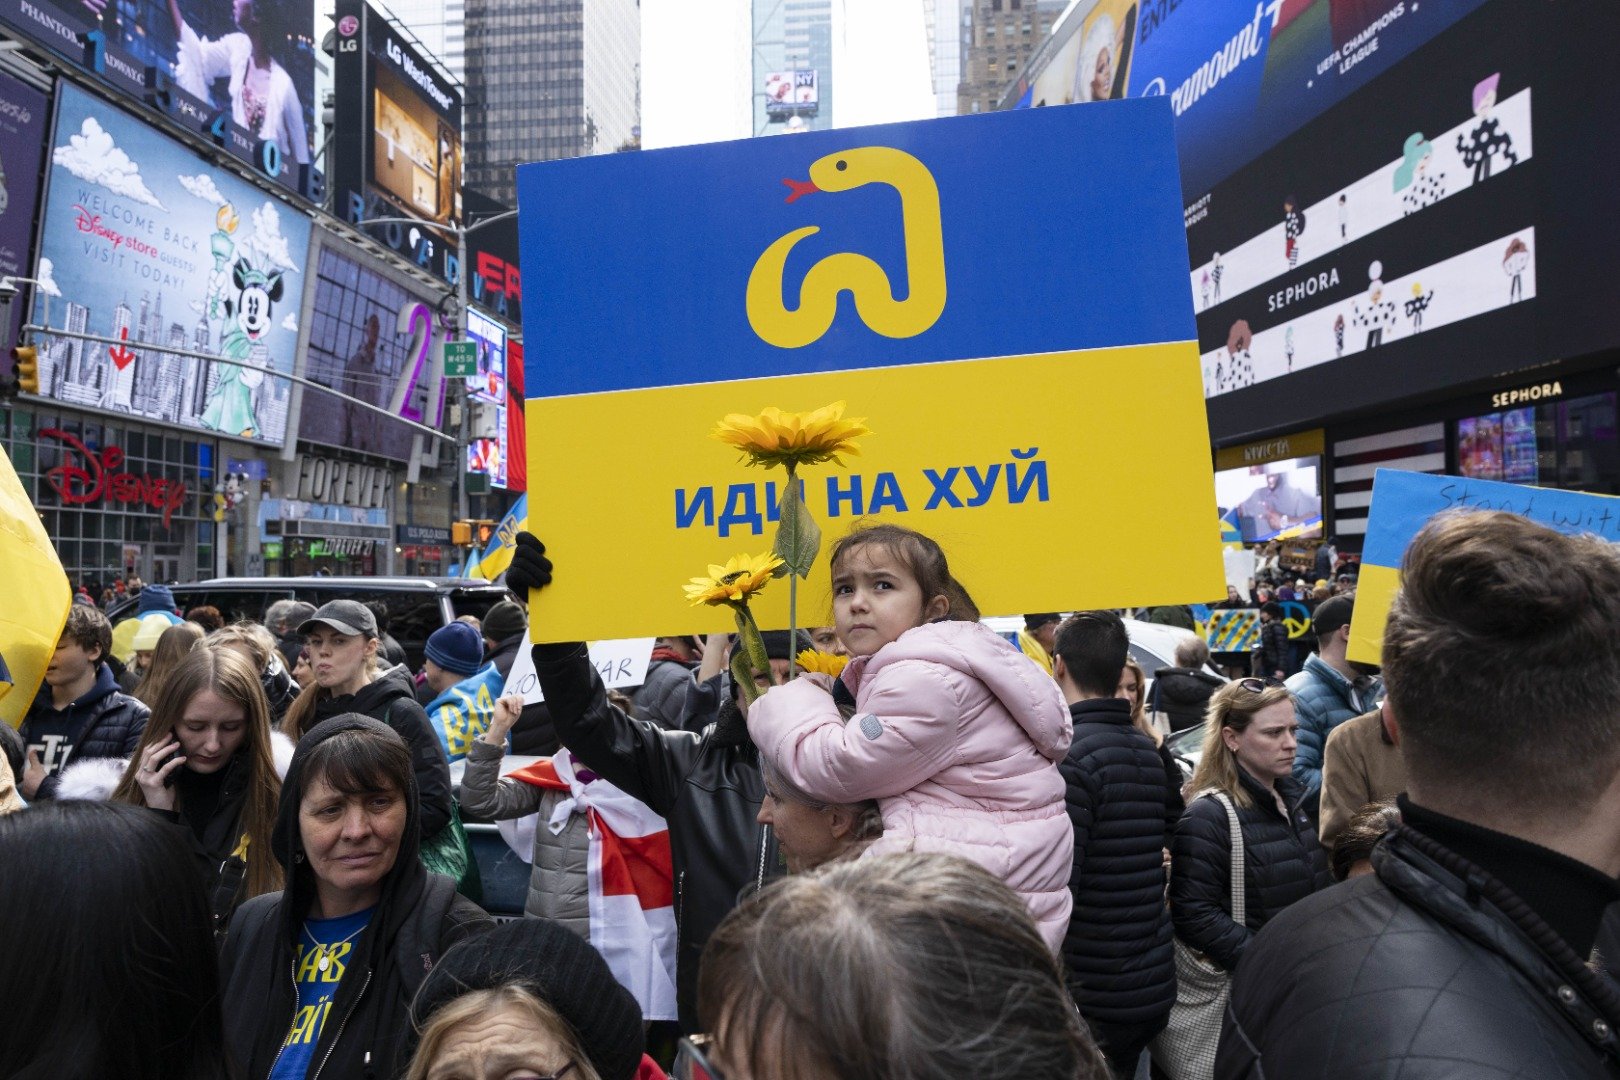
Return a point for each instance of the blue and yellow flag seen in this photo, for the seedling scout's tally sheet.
(497, 556)
(989, 292)
(462, 713)
(32, 618)
(1403, 502)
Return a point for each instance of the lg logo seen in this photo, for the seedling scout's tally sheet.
(347, 27)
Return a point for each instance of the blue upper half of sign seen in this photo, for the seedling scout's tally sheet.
(1403, 502)
(1061, 229)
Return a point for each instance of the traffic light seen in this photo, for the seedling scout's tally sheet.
(27, 365)
(461, 533)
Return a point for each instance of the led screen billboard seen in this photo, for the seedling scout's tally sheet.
(147, 243)
(487, 453)
(241, 72)
(1382, 198)
(1088, 57)
(1436, 227)
(492, 252)
(1276, 500)
(397, 149)
(24, 130)
(365, 337)
(791, 93)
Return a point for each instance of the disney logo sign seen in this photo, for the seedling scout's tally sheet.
(86, 477)
(90, 223)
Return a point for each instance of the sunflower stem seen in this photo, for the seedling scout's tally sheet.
(752, 647)
(792, 523)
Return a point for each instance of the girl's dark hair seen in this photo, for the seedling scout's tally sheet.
(1358, 838)
(922, 558)
(109, 960)
(963, 609)
(358, 762)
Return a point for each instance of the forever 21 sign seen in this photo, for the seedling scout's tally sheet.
(348, 483)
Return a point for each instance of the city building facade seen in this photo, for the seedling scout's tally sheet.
(548, 79)
(998, 38)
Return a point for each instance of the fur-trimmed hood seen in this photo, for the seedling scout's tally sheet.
(95, 779)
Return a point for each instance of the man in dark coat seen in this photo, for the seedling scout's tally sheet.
(662, 697)
(707, 784)
(506, 632)
(1117, 951)
(1464, 953)
(1182, 692)
(80, 713)
(1271, 651)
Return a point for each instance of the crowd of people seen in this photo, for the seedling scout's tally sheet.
(238, 852)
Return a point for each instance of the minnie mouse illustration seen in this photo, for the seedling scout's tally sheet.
(231, 408)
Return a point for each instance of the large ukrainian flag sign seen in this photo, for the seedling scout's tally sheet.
(1003, 297)
(32, 618)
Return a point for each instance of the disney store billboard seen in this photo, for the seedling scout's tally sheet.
(147, 243)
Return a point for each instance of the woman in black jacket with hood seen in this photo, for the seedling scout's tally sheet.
(319, 977)
(342, 641)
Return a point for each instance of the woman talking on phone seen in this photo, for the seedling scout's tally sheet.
(209, 763)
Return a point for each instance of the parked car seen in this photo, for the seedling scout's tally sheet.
(416, 606)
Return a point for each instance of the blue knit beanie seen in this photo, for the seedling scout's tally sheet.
(155, 598)
(457, 648)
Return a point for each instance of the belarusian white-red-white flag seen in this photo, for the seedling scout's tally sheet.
(631, 881)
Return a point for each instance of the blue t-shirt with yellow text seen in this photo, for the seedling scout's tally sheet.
(322, 940)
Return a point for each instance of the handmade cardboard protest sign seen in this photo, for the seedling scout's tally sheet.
(32, 618)
(1403, 502)
(622, 664)
(990, 293)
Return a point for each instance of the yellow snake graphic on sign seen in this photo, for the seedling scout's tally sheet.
(859, 275)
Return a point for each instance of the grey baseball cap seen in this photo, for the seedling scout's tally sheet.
(349, 617)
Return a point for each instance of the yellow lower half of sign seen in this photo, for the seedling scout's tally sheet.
(1376, 587)
(1054, 482)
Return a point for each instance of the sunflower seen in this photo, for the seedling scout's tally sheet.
(824, 663)
(792, 439)
(735, 582)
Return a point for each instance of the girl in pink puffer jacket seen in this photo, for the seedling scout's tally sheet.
(955, 732)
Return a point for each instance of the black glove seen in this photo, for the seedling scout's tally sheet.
(530, 568)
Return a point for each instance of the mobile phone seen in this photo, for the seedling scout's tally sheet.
(168, 781)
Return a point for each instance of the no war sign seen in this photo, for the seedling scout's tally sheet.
(1001, 297)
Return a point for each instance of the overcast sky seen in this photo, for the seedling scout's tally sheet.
(697, 78)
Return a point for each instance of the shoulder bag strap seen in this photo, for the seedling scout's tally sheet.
(1240, 892)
